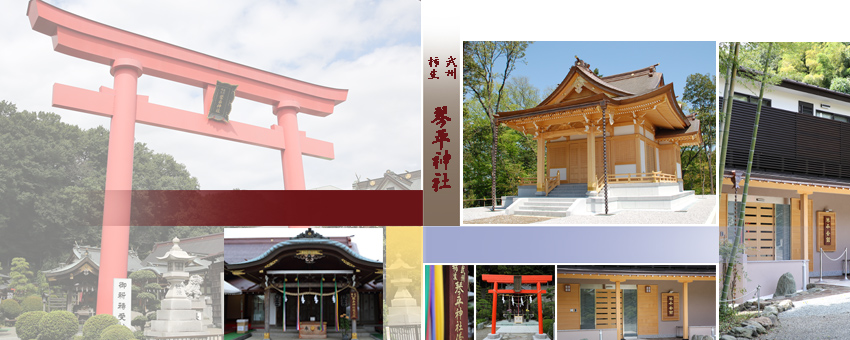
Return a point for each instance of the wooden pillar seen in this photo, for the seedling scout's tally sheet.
(495, 288)
(591, 159)
(804, 215)
(685, 311)
(619, 302)
(541, 166)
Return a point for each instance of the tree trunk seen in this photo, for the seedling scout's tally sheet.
(739, 228)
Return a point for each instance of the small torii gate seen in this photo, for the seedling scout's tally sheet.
(517, 280)
(129, 56)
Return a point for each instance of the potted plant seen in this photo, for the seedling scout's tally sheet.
(345, 326)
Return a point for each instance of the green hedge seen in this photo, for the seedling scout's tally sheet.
(31, 303)
(58, 325)
(10, 308)
(117, 332)
(548, 325)
(95, 325)
(26, 327)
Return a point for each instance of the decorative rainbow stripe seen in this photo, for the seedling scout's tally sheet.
(439, 299)
(432, 307)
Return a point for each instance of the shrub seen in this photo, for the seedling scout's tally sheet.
(10, 308)
(95, 325)
(140, 335)
(117, 332)
(151, 316)
(58, 325)
(27, 325)
(548, 327)
(31, 303)
(139, 321)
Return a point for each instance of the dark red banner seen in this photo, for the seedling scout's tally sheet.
(274, 207)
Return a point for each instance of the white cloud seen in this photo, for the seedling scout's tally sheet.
(369, 47)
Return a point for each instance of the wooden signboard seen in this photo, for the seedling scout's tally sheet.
(670, 307)
(456, 302)
(353, 299)
(826, 231)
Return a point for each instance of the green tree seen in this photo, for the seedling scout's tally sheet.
(52, 177)
(701, 98)
(487, 66)
(517, 152)
(20, 276)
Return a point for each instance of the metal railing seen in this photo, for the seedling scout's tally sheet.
(833, 259)
(757, 296)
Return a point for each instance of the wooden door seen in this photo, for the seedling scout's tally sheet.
(578, 162)
(606, 308)
(647, 310)
(759, 231)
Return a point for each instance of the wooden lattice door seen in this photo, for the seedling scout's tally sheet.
(760, 231)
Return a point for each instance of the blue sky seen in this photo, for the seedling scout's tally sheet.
(549, 62)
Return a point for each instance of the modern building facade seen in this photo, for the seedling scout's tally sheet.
(621, 302)
(799, 186)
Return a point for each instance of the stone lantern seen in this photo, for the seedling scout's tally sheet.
(176, 318)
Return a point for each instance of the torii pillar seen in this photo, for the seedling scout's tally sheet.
(129, 56)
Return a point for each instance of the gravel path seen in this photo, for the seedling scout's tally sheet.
(703, 211)
(818, 318)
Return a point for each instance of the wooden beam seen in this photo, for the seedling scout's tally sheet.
(629, 277)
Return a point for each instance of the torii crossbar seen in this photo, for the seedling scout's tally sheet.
(129, 56)
(531, 279)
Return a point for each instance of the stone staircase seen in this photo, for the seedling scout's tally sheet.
(569, 190)
(545, 206)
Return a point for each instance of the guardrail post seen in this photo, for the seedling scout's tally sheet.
(845, 265)
(758, 299)
(821, 266)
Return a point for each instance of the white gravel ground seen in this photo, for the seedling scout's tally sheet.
(818, 318)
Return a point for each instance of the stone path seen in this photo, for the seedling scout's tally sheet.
(818, 318)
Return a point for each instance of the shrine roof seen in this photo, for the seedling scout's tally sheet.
(687, 136)
(302, 243)
(81, 255)
(242, 250)
(642, 269)
(637, 81)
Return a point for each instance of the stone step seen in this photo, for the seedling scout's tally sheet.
(545, 208)
(547, 204)
(541, 213)
(551, 200)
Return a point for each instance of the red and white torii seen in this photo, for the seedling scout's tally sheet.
(129, 56)
(530, 279)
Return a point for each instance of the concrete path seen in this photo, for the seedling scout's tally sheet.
(818, 318)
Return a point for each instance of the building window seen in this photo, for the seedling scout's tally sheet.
(805, 108)
(751, 99)
(830, 115)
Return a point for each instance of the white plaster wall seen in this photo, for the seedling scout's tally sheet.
(787, 99)
(767, 273)
(678, 170)
(625, 169)
(648, 134)
(624, 130)
(657, 160)
(575, 137)
(642, 156)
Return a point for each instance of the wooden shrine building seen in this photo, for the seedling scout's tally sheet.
(302, 284)
(631, 118)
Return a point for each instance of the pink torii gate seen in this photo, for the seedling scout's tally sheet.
(129, 56)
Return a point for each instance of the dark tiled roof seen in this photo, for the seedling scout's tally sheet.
(692, 129)
(241, 250)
